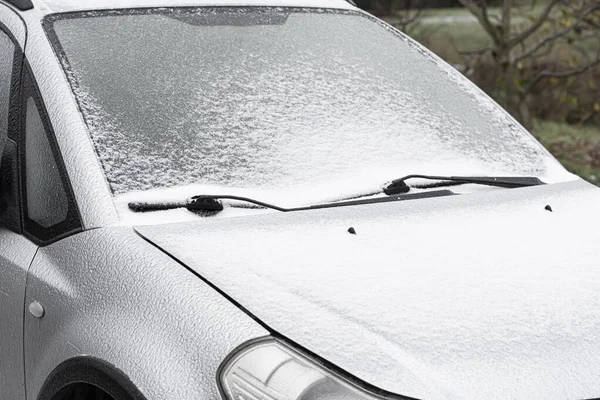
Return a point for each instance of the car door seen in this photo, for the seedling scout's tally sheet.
(16, 251)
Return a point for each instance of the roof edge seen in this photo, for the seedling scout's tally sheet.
(60, 6)
(22, 5)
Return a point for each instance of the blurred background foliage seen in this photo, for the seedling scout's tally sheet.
(540, 59)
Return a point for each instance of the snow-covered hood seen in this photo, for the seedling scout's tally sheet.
(479, 296)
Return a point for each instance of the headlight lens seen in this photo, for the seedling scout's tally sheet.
(269, 370)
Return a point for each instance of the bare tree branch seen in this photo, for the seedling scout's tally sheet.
(556, 35)
(407, 18)
(415, 16)
(545, 53)
(559, 74)
(574, 24)
(533, 27)
(494, 19)
(480, 12)
(477, 52)
(506, 11)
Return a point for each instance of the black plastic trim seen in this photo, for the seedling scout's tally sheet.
(12, 219)
(72, 224)
(92, 371)
(15, 91)
(211, 202)
(22, 5)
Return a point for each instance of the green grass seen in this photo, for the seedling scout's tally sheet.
(577, 148)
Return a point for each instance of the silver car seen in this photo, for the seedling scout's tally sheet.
(276, 200)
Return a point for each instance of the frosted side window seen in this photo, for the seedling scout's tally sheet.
(47, 202)
(7, 53)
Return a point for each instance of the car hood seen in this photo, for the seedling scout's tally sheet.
(485, 295)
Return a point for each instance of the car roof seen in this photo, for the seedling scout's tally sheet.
(52, 6)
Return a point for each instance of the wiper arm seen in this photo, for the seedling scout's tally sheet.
(199, 203)
(399, 185)
(211, 203)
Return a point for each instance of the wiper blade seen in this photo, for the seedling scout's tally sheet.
(211, 203)
(397, 190)
(398, 186)
(198, 203)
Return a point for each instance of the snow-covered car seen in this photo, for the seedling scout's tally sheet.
(276, 200)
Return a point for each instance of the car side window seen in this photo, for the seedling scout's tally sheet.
(10, 216)
(7, 53)
(48, 204)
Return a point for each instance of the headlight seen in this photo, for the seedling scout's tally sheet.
(269, 370)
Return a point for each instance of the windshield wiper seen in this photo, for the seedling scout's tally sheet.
(211, 203)
(396, 191)
(398, 186)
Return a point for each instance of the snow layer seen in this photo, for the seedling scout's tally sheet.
(361, 185)
(482, 296)
(80, 5)
(323, 98)
(6, 62)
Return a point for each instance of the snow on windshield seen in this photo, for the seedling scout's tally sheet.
(276, 98)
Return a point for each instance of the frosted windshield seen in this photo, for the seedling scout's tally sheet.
(272, 98)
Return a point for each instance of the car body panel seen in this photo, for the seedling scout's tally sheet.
(382, 304)
(81, 5)
(486, 295)
(110, 295)
(16, 254)
(12, 21)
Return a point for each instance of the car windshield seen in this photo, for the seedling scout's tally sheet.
(275, 98)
